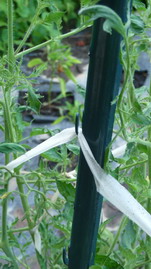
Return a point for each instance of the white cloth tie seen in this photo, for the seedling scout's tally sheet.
(106, 185)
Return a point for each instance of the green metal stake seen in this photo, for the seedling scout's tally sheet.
(102, 86)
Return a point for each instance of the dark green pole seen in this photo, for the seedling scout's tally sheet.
(102, 86)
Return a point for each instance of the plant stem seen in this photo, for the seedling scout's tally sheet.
(5, 243)
(30, 29)
(10, 137)
(141, 142)
(119, 102)
(57, 258)
(26, 208)
(148, 239)
(127, 72)
(4, 220)
(22, 263)
(120, 229)
(8, 124)
(147, 262)
(25, 204)
(4, 239)
(9, 130)
(132, 165)
(44, 44)
(28, 32)
(23, 229)
(7, 251)
(10, 35)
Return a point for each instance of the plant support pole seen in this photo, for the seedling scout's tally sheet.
(102, 86)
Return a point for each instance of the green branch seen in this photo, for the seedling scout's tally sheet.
(10, 34)
(148, 239)
(29, 31)
(120, 229)
(120, 98)
(132, 165)
(141, 142)
(8, 125)
(44, 44)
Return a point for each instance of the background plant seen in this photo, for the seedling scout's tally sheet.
(24, 11)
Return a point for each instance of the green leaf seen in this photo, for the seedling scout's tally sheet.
(53, 17)
(2, 191)
(68, 212)
(59, 244)
(107, 263)
(4, 6)
(39, 131)
(2, 128)
(137, 24)
(63, 86)
(69, 73)
(33, 99)
(11, 147)
(58, 120)
(88, 2)
(140, 119)
(7, 266)
(139, 5)
(145, 246)
(130, 150)
(107, 27)
(19, 124)
(43, 4)
(105, 223)
(137, 177)
(52, 155)
(37, 72)
(73, 60)
(67, 190)
(81, 90)
(128, 235)
(34, 62)
(1, 181)
(130, 257)
(74, 148)
(2, 23)
(5, 258)
(100, 11)
(143, 149)
(105, 239)
(23, 11)
(37, 240)
(146, 194)
(62, 228)
(5, 195)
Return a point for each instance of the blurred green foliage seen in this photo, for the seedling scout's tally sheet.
(25, 10)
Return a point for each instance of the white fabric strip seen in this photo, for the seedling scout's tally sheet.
(106, 185)
(114, 192)
(118, 152)
(52, 142)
